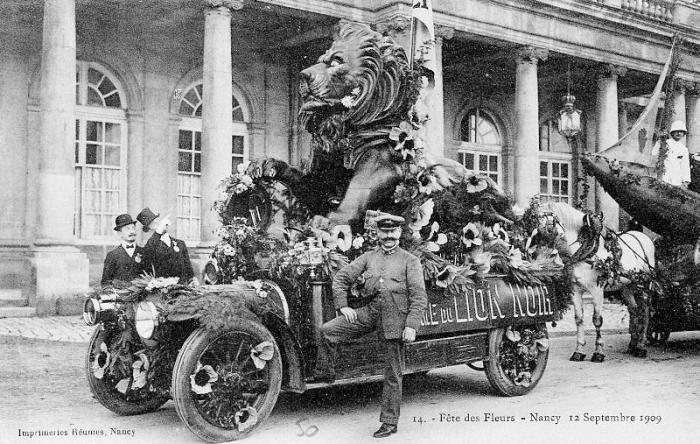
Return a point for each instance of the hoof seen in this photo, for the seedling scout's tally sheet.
(638, 352)
(597, 357)
(577, 357)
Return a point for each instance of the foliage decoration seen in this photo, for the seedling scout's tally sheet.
(519, 352)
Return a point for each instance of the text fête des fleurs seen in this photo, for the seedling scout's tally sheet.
(537, 417)
(490, 303)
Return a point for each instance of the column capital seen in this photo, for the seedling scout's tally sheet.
(233, 5)
(692, 88)
(610, 70)
(530, 54)
(443, 33)
(683, 86)
(396, 25)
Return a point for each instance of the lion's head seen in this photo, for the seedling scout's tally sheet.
(363, 81)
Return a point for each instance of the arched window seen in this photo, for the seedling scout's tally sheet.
(100, 151)
(189, 195)
(481, 146)
(556, 161)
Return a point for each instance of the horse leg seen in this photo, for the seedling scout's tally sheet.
(579, 353)
(636, 346)
(598, 355)
(642, 324)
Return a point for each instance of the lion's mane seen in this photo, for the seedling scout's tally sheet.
(372, 73)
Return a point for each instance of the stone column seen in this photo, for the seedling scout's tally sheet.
(526, 149)
(622, 118)
(60, 267)
(692, 103)
(607, 133)
(678, 104)
(14, 91)
(57, 125)
(217, 109)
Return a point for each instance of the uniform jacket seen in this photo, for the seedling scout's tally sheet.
(676, 164)
(396, 278)
(119, 266)
(168, 260)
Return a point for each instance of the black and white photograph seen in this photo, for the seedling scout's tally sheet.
(349, 221)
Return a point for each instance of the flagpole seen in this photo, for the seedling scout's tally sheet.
(412, 49)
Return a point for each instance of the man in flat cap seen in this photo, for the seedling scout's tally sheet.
(396, 277)
(165, 255)
(125, 262)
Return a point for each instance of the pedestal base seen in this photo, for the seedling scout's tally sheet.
(60, 271)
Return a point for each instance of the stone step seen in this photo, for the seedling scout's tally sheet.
(17, 312)
(12, 298)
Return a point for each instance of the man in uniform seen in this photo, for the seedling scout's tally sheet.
(396, 277)
(676, 162)
(125, 262)
(164, 255)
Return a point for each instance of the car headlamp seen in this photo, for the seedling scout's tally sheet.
(97, 310)
(146, 320)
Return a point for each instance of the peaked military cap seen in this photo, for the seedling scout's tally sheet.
(389, 221)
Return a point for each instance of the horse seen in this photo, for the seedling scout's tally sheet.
(636, 254)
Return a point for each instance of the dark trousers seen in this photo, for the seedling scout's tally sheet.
(368, 319)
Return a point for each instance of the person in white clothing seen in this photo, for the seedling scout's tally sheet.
(677, 163)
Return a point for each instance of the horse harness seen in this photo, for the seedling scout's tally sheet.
(589, 236)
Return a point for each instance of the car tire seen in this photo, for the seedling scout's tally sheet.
(212, 416)
(104, 389)
(509, 373)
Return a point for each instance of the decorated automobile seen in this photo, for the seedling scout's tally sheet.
(224, 351)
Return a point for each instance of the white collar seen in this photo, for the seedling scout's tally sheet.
(165, 238)
(129, 251)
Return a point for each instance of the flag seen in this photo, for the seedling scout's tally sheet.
(423, 38)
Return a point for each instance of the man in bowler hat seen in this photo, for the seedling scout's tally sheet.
(396, 277)
(165, 255)
(125, 262)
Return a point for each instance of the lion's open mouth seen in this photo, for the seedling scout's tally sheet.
(310, 100)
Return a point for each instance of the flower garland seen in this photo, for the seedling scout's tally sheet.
(243, 249)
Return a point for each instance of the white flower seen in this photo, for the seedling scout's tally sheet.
(427, 183)
(435, 239)
(140, 371)
(470, 235)
(260, 288)
(201, 379)
(242, 167)
(99, 365)
(358, 242)
(245, 418)
(247, 180)
(262, 353)
(422, 216)
(123, 385)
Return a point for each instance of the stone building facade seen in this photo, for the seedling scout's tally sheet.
(105, 105)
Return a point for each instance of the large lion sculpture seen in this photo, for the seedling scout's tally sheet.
(360, 89)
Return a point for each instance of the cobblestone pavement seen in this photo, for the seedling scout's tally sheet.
(53, 328)
(73, 329)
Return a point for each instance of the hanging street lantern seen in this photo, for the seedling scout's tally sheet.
(569, 116)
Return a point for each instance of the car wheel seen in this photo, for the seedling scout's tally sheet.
(226, 382)
(105, 388)
(517, 358)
